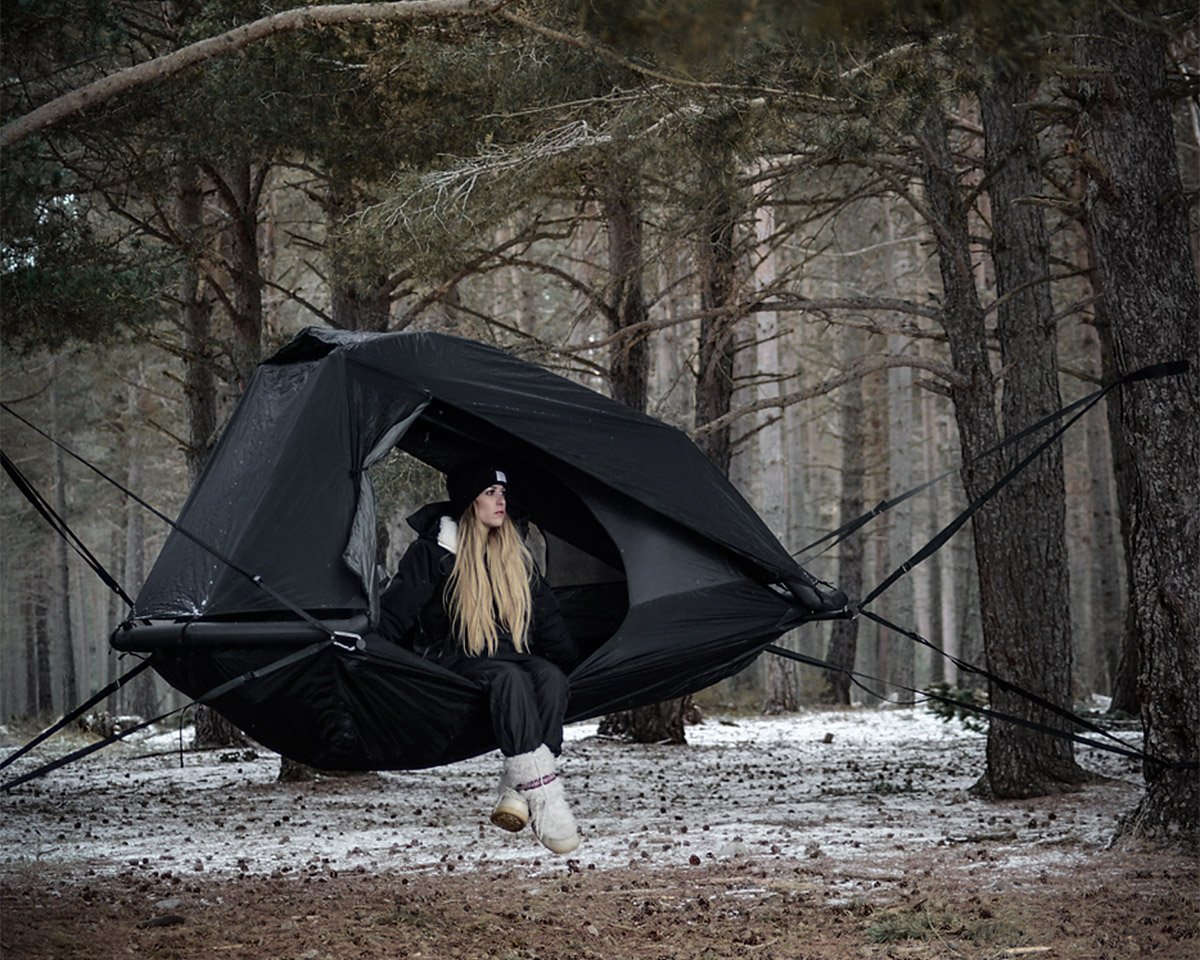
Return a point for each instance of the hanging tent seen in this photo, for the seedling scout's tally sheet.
(666, 576)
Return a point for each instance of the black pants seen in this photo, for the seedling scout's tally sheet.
(527, 698)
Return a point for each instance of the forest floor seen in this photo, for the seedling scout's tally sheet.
(826, 834)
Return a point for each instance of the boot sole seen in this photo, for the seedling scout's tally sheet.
(565, 845)
(508, 816)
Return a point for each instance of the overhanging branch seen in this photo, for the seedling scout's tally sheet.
(288, 21)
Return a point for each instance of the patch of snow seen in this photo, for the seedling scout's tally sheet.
(850, 791)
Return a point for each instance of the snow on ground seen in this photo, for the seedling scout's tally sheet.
(868, 790)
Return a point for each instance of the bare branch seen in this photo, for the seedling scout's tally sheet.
(811, 304)
(294, 296)
(858, 368)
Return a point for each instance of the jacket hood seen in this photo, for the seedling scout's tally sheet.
(427, 520)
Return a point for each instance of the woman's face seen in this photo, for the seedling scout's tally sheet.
(490, 506)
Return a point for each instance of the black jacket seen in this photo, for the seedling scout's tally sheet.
(412, 609)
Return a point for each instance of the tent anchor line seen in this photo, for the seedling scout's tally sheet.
(1124, 749)
(1153, 372)
(215, 693)
(252, 577)
(42, 505)
(75, 714)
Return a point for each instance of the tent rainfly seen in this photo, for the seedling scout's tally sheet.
(666, 576)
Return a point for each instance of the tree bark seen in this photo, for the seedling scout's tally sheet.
(62, 570)
(1125, 680)
(1106, 598)
(843, 635)
(898, 524)
(239, 191)
(1137, 217)
(933, 465)
(769, 472)
(658, 723)
(628, 378)
(629, 358)
(195, 319)
(718, 273)
(41, 618)
(354, 305)
(1041, 657)
(29, 618)
(1013, 602)
(140, 694)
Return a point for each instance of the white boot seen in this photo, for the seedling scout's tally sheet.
(511, 811)
(542, 790)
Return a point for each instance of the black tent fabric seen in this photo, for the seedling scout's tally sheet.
(668, 578)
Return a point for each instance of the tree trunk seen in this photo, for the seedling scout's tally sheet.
(1028, 339)
(657, 723)
(213, 730)
(355, 305)
(843, 636)
(195, 316)
(1024, 614)
(1136, 213)
(1125, 680)
(240, 192)
(933, 465)
(769, 486)
(140, 695)
(899, 523)
(41, 616)
(629, 359)
(62, 570)
(1105, 594)
(29, 618)
(714, 383)
(628, 376)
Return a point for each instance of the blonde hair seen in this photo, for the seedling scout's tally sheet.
(489, 585)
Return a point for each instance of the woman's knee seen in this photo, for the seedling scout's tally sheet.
(508, 679)
(547, 675)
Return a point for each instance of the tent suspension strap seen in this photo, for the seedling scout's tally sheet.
(1000, 682)
(1123, 750)
(954, 525)
(842, 532)
(1151, 372)
(60, 526)
(215, 693)
(252, 577)
(1146, 373)
(78, 712)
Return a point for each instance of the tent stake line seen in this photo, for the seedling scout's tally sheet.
(1123, 750)
(214, 694)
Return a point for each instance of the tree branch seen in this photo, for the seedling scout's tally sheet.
(858, 368)
(288, 21)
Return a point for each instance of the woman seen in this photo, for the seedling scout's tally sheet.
(468, 596)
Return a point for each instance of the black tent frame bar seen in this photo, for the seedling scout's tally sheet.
(146, 636)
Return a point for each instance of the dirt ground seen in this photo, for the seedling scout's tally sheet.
(1126, 904)
(816, 836)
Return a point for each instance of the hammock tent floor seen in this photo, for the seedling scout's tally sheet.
(668, 579)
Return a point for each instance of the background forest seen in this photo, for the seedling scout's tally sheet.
(846, 247)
